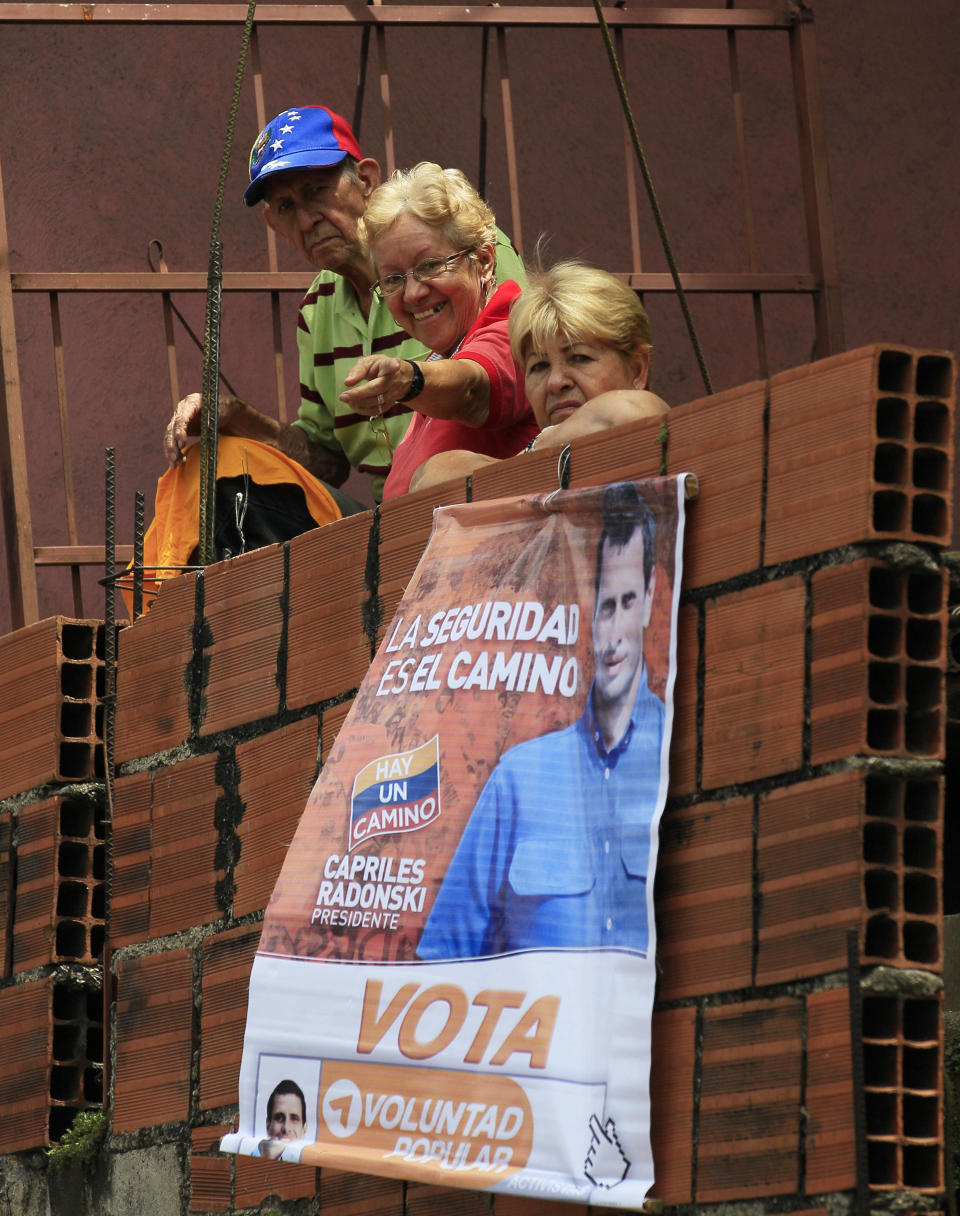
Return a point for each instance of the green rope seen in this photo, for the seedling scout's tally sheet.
(663, 438)
(210, 381)
(651, 194)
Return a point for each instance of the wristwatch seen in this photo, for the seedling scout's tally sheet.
(416, 384)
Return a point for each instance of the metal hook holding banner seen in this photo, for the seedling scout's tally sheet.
(691, 486)
(563, 478)
(563, 468)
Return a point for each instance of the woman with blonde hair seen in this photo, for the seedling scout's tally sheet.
(582, 340)
(433, 239)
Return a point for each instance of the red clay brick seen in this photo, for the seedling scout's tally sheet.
(391, 593)
(753, 689)
(848, 459)
(720, 438)
(673, 1057)
(25, 1049)
(184, 839)
(6, 896)
(30, 705)
(525, 473)
(400, 552)
(897, 905)
(330, 724)
(276, 776)
(59, 887)
(154, 1006)
(878, 651)
(206, 1139)
(750, 1100)
(132, 837)
(809, 849)
(48, 699)
(154, 655)
(327, 650)
(210, 1184)
(830, 1137)
(903, 1062)
(255, 1180)
(683, 740)
(822, 440)
(424, 1200)
(517, 1205)
(854, 850)
(77, 1054)
(164, 845)
(624, 453)
(243, 608)
(840, 660)
(704, 899)
(405, 527)
(452, 490)
(902, 851)
(347, 1194)
(33, 922)
(226, 962)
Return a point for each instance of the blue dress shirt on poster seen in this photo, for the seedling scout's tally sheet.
(557, 849)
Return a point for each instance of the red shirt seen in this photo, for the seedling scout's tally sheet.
(510, 424)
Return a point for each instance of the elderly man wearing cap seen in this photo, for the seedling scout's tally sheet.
(307, 168)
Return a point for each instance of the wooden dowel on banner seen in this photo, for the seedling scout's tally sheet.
(691, 486)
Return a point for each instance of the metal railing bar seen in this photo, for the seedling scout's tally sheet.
(506, 102)
(768, 284)
(168, 309)
(633, 206)
(174, 281)
(240, 281)
(655, 208)
(278, 376)
(394, 14)
(137, 555)
(361, 85)
(66, 461)
(14, 488)
(383, 70)
(80, 555)
(816, 191)
(742, 160)
(483, 135)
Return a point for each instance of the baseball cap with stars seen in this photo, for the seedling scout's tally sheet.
(304, 137)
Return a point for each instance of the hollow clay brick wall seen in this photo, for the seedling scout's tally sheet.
(52, 878)
(798, 1030)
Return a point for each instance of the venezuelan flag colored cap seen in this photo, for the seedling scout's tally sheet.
(308, 137)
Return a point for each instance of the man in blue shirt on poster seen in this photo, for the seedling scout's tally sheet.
(557, 849)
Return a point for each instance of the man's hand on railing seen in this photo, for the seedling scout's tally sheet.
(238, 418)
(185, 423)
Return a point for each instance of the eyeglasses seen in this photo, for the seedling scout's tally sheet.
(378, 424)
(429, 268)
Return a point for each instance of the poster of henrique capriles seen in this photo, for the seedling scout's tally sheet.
(455, 977)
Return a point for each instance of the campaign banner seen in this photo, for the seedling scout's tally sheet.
(455, 977)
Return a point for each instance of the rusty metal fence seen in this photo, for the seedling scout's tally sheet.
(376, 23)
